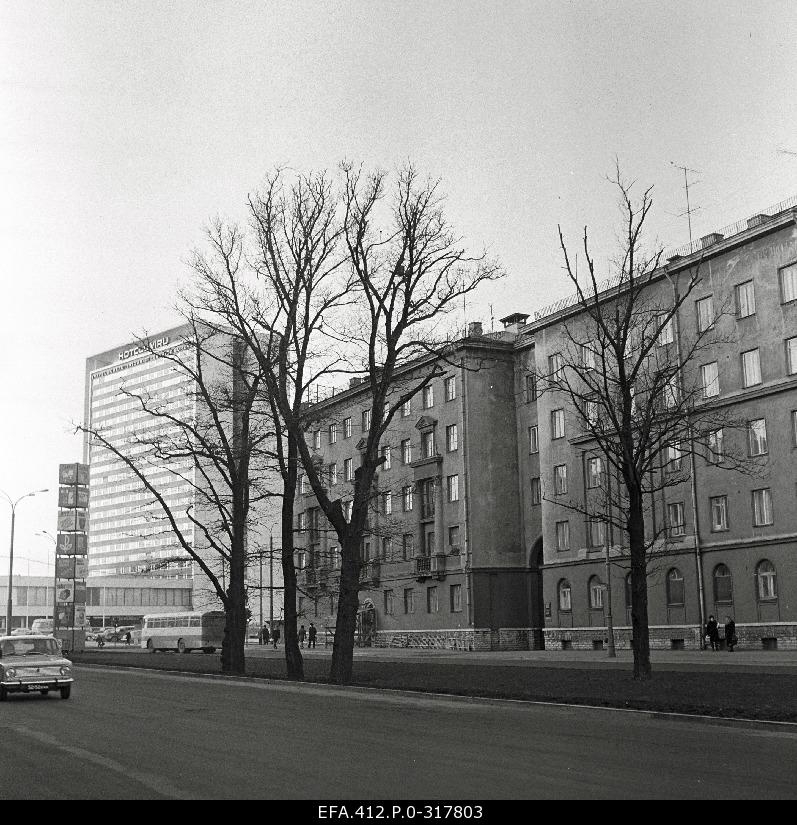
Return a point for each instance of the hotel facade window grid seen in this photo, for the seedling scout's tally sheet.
(751, 368)
(451, 388)
(557, 423)
(762, 507)
(705, 313)
(745, 299)
(710, 379)
(428, 396)
(788, 283)
(719, 513)
(451, 438)
(675, 519)
(757, 437)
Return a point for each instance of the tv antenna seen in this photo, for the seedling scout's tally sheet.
(787, 152)
(689, 210)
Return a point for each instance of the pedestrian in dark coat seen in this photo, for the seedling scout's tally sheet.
(302, 636)
(730, 633)
(311, 635)
(275, 635)
(266, 635)
(713, 633)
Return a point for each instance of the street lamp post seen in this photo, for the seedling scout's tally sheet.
(10, 605)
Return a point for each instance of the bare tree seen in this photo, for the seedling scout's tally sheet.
(214, 441)
(628, 366)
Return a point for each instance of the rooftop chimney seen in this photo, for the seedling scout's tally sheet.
(757, 220)
(354, 382)
(709, 240)
(475, 329)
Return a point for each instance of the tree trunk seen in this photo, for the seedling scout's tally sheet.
(639, 586)
(294, 662)
(340, 672)
(233, 656)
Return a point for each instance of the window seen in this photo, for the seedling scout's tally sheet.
(451, 438)
(428, 396)
(705, 313)
(347, 508)
(557, 423)
(365, 549)
(333, 433)
(565, 596)
(406, 451)
(597, 532)
(408, 546)
(302, 522)
(453, 537)
(387, 503)
(334, 557)
(791, 356)
(406, 498)
(562, 536)
(387, 548)
(388, 602)
(672, 457)
(431, 600)
(406, 408)
(767, 581)
(794, 426)
(347, 427)
(348, 472)
(301, 559)
(386, 456)
(451, 388)
(317, 440)
(675, 518)
(666, 334)
(452, 488)
(751, 368)
(333, 474)
(595, 593)
(560, 479)
(536, 496)
(762, 507)
(719, 513)
(757, 437)
(555, 366)
(366, 420)
(788, 283)
(591, 412)
(303, 486)
(671, 392)
(409, 600)
(675, 588)
(709, 375)
(723, 585)
(745, 299)
(588, 355)
(455, 592)
(594, 472)
(427, 444)
(534, 440)
(531, 388)
(715, 441)
(427, 498)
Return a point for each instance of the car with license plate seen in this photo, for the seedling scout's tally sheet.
(33, 664)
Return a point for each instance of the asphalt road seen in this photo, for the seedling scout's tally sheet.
(138, 734)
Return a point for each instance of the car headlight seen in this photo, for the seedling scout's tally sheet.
(10, 673)
(65, 671)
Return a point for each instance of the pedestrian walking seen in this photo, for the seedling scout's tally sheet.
(302, 635)
(275, 635)
(265, 634)
(713, 633)
(311, 635)
(730, 634)
(128, 638)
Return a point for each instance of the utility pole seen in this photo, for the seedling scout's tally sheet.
(689, 210)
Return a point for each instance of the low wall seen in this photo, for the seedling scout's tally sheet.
(505, 638)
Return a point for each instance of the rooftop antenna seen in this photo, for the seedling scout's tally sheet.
(461, 273)
(787, 152)
(492, 319)
(689, 210)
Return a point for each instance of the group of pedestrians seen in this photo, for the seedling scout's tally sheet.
(713, 633)
(265, 636)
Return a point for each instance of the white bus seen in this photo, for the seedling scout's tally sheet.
(183, 632)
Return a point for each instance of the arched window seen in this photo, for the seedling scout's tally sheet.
(675, 588)
(595, 593)
(723, 585)
(767, 581)
(565, 599)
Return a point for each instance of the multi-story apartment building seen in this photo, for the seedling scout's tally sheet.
(469, 546)
(128, 532)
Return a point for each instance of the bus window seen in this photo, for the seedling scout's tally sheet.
(194, 621)
(169, 622)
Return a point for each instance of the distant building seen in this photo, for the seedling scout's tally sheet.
(468, 547)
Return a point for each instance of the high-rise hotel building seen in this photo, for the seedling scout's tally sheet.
(128, 533)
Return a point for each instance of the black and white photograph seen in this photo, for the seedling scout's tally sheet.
(399, 402)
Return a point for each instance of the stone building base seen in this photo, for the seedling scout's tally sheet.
(754, 636)
(506, 638)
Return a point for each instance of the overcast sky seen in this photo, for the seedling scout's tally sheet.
(125, 126)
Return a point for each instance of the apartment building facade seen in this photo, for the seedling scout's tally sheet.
(469, 546)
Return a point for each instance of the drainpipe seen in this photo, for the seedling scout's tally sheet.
(466, 549)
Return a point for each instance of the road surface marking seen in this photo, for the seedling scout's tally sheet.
(148, 780)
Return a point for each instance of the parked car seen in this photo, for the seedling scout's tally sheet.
(33, 664)
(117, 634)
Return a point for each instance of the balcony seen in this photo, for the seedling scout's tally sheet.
(438, 566)
(423, 567)
(371, 573)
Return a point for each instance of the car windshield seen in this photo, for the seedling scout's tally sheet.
(23, 646)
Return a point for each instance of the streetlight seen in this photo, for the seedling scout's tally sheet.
(10, 606)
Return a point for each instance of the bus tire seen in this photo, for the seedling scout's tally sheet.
(181, 648)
